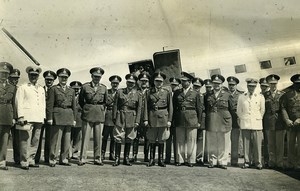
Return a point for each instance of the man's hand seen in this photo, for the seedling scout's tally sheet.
(169, 124)
(135, 125)
(146, 123)
(199, 126)
(290, 123)
(21, 121)
(50, 122)
(74, 123)
(13, 121)
(297, 121)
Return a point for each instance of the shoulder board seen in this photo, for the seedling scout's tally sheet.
(165, 88)
(87, 84)
(102, 85)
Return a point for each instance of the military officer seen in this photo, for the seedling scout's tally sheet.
(188, 115)
(109, 124)
(250, 110)
(30, 99)
(197, 84)
(61, 114)
(290, 108)
(13, 79)
(126, 115)
(264, 86)
(93, 99)
(273, 123)
(7, 114)
(144, 78)
(235, 132)
(76, 133)
(175, 85)
(219, 123)
(49, 77)
(158, 117)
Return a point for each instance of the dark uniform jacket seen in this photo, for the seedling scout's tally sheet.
(272, 118)
(127, 108)
(290, 107)
(78, 112)
(159, 107)
(218, 117)
(233, 99)
(111, 96)
(93, 102)
(187, 108)
(7, 100)
(61, 105)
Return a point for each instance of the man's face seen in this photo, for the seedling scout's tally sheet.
(96, 79)
(144, 83)
(158, 83)
(208, 89)
(273, 86)
(197, 88)
(263, 88)
(185, 83)
(3, 76)
(130, 84)
(33, 78)
(49, 82)
(13, 80)
(77, 91)
(63, 80)
(217, 86)
(174, 87)
(251, 88)
(232, 87)
(114, 85)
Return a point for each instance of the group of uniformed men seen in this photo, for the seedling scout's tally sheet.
(202, 127)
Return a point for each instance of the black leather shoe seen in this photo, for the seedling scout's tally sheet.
(74, 157)
(98, 163)
(190, 165)
(25, 167)
(177, 164)
(64, 164)
(223, 167)
(81, 163)
(210, 166)
(52, 165)
(34, 165)
(3, 168)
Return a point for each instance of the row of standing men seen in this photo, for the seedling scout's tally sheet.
(157, 114)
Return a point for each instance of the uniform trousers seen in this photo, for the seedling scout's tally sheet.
(294, 151)
(235, 144)
(200, 144)
(171, 140)
(266, 145)
(15, 144)
(97, 138)
(60, 134)
(76, 136)
(276, 147)
(218, 144)
(29, 142)
(4, 133)
(158, 134)
(108, 132)
(186, 139)
(128, 134)
(252, 145)
(47, 129)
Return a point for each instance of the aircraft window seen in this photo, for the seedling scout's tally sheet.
(214, 71)
(289, 61)
(265, 64)
(240, 68)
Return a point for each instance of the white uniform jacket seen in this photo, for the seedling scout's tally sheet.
(251, 111)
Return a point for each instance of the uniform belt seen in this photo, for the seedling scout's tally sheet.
(95, 103)
(64, 106)
(109, 108)
(158, 108)
(5, 102)
(127, 108)
(186, 108)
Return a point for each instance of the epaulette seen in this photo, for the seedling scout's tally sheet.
(87, 83)
(165, 88)
(102, 85)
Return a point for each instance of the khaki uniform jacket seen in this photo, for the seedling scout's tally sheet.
(272, 118)
(290, 107)
(78, 113)
(7, 101)
(93, 102)
(111, 96)
(187, 108)
(159, 107)
(233, 99)
(61, 105)
(218, 117)
(251, 111)
(127, 108)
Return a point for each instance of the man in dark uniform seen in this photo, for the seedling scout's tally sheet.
(13, 79)
(273, 122)
(235, 132)
(93, 99)
(144, 78)
(188, 115)
(290, 108)
(109, 124)
(76, 133)
(174, 83)
(61, 114)
(49, 77)
(7, 114)
(264, 86)
(126, 115)
(219, 123)
(158, 117)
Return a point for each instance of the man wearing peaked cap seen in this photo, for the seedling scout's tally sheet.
(61, 114)
(219, 123)
(250, 110)
(143, 80)
(131, 78)
(291, 116)
(197, 83)
(49, 77)
(264, 86)
(30, 99)
(14, 77)
(272, 123)
(93, 99)
(186, 76)
(108, 123)
(174, 81)
(7, 110)
(235, 132)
